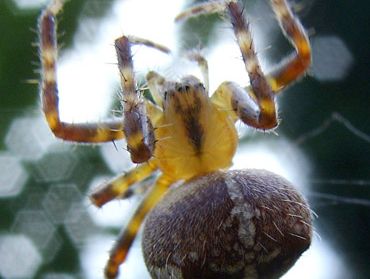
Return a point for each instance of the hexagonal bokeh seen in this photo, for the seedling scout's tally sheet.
(58, 201)
(12, 175)
(78, 224)
(332, 59)
(58, 276)
(29, 137)
(55, 166)
(29, 4)
(36, 225)
(19, 258)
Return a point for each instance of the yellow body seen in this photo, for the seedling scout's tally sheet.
(193, 136)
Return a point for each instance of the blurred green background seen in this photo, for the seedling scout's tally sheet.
(44, 212)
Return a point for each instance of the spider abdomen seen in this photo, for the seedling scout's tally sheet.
(244, 224)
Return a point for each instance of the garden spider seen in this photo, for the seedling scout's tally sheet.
(190, 137)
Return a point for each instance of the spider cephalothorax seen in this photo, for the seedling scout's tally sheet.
(188, 136)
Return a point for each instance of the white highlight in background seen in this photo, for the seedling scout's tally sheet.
(87, 74)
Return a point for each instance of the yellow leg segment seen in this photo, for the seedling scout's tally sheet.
(119, 185)
(124, 242)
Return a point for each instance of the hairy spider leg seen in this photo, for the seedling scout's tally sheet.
(258, 107)
(290, 69)
(127, 236)
(119, 185)
(89, 132)
(142, 41)
(202, 64)
(296, 65)
(137, 126)
(255, 106)
(210, 7)
(261, 92)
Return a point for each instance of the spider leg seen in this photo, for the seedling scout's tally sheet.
(202, 64)
(137, 126)
(155, 83)
(294, 66)
(297, 64)
(141, 41)
(201, 9)
(127, 236)
(260, 89)
(91, 132)
(255, 107)
(119, 185)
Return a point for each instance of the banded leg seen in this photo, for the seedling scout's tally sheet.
(141, 41)
(137, 126)
(260, 89)
(261, 114)
(126, 238)
(210, 7)
(293, 67)
(91, 132)
(296, 65)
(118, 186)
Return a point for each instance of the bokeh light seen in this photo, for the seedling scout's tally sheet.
(78, 224)
(29, 4)
(55, 166)
(58, 201)
(19, 257)
(12, 175)
(28, 137)
(58, 276)
(36, 225)
(332, 60)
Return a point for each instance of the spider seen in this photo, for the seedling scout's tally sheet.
(186, 135)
